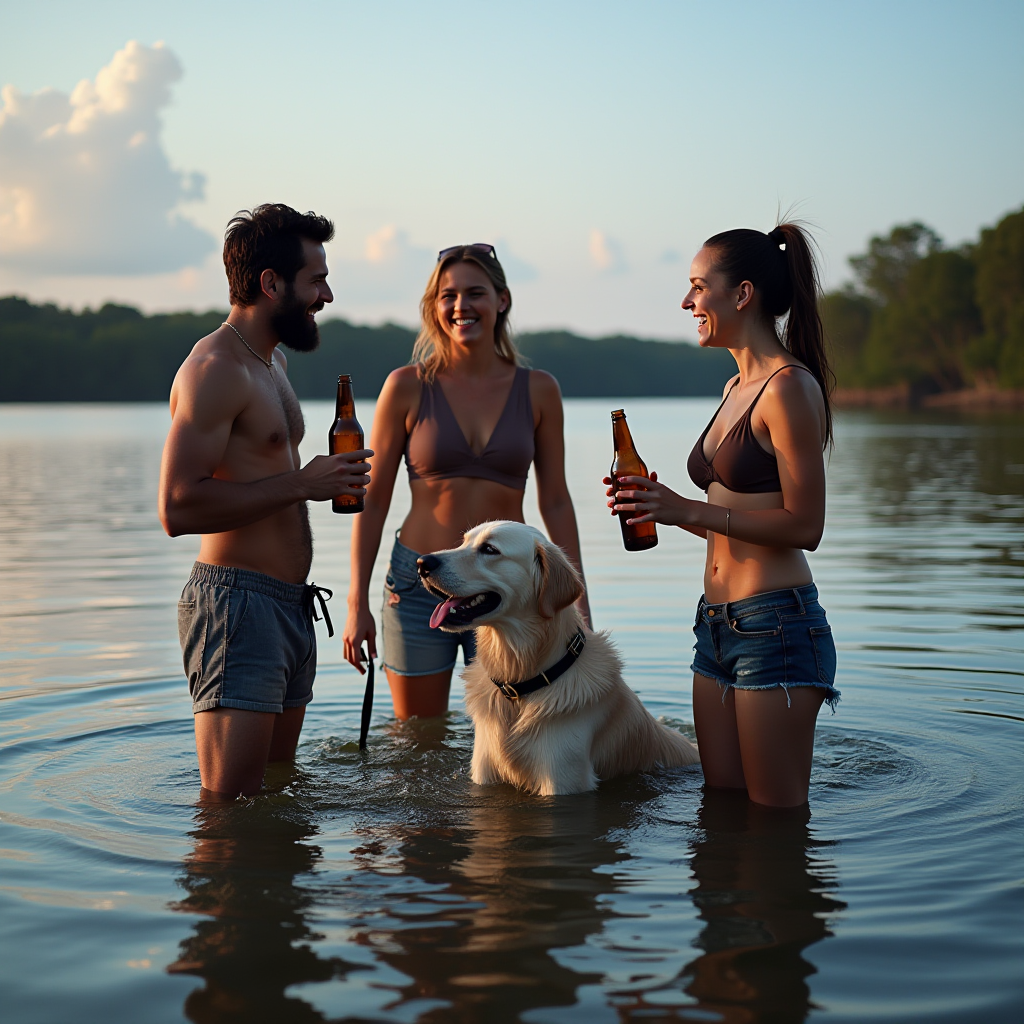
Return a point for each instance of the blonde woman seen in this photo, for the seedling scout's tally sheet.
(469, 420)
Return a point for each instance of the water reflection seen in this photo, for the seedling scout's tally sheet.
(523, 880)
(464, 918)
(763, 892)
(926, 465)
(474, 914)
(254, 939)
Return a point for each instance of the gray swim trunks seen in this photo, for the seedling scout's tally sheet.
(247, 639)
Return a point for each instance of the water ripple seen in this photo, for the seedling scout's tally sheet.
(384, 886)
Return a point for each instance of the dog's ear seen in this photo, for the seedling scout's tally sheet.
(560, 583)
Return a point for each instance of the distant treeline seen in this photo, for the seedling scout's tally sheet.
(920, 316)
(930, 318)
(117, 354)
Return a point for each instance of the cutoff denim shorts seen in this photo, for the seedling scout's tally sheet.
(778, 639)
(247, 640)
(410, 647)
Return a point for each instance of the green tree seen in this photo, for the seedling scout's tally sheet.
(923, 335)
(863, 321)
(999, 258)
(882, 271)
(117, 354)
(846, 316)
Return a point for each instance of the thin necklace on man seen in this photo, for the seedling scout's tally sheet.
(268, 363)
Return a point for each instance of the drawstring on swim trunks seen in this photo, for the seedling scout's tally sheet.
(313, 591)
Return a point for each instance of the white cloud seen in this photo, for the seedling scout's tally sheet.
(606, 253)
(195, 287)
(386, 245)
(85, 185)
(390, 269)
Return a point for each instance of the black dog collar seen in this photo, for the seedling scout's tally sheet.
(514, 691)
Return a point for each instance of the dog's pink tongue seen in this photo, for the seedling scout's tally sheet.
(438, 614)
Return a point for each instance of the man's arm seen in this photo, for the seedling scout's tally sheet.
(208, 395)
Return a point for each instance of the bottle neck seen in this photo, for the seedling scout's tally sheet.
(345, 406)
(621, 437)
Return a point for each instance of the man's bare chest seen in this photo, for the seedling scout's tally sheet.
(272, 422)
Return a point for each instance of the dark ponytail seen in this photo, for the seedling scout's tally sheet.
(783, 271)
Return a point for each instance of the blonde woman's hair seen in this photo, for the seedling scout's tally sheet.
(432, 351)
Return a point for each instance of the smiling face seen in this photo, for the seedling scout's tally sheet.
(468, 304)
(716, 306)
(294, 319)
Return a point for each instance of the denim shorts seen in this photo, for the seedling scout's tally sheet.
(410, 647)
(247, 640)
(766, 641)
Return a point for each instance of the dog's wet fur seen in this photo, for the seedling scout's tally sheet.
(588, 724)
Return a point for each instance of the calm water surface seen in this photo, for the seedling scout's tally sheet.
(386, 887)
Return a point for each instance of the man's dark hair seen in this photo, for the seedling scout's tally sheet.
(268, 237)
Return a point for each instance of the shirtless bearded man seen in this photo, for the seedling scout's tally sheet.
(231, 472)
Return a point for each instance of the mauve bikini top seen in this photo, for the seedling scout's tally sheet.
(739, 462)
(436, 448)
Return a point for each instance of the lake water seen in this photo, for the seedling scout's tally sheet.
(386, 887)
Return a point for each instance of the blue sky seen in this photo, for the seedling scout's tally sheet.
(596, 144)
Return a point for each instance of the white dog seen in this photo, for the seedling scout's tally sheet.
(546, 695)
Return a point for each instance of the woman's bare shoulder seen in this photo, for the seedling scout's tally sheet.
(400, 393)
(795, 383)
(544, 386)
(402, 383)
(794, 394)
(407, 376)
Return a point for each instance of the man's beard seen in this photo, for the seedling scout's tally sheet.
(292, 327)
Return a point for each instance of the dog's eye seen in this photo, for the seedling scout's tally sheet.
(488, 549)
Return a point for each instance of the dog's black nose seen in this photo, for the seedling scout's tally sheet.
(426, 563)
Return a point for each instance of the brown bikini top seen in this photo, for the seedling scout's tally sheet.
(437, 449)
(739, 463)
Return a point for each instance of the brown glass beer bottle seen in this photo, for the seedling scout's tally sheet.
(346, 436)
(626, 462)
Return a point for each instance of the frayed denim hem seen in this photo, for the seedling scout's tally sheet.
(832, 695)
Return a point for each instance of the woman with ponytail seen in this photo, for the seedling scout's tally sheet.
(764, 661)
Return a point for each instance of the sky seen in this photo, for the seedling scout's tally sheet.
(596, 145)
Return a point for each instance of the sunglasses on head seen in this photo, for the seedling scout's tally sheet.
(481, 247)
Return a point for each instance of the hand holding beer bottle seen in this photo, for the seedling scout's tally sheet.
(627, 462)
(346, 436)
